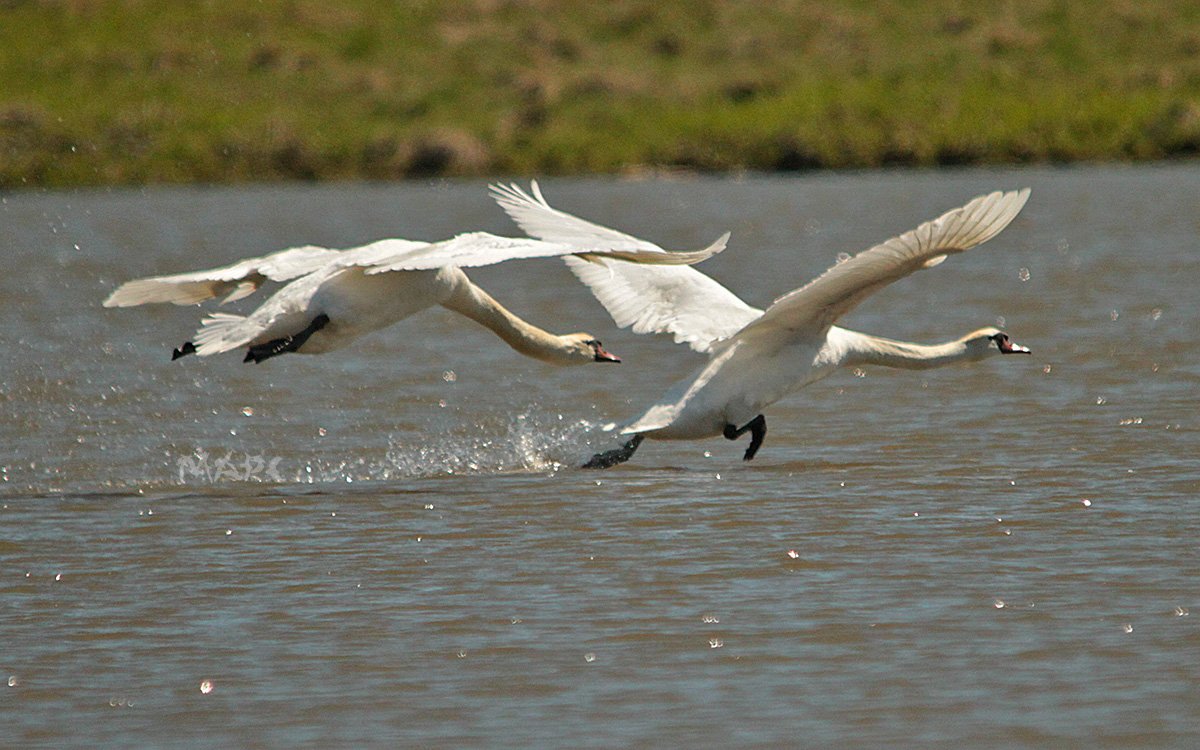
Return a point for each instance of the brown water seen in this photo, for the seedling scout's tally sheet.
(390, 547)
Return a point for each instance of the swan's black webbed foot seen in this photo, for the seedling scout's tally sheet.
(259, 352)
(184, 349)
(615, 456)
(757, 428)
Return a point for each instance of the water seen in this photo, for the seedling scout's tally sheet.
(391, 547)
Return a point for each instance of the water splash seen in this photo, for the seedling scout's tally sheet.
(525, 443)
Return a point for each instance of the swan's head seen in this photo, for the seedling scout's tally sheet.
(988, 341)
(579, 348)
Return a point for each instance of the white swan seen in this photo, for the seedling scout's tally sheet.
(335, 296)
(757, 357)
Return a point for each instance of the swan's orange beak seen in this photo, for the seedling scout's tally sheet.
(604, 356)
(1008, 346)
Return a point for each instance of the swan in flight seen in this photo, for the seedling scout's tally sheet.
(757, 357)
(334, 296)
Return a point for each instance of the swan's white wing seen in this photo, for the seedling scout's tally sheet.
(680, 301)
(660, 299)
(811, 309)
(484, 249)
(537, 218)
(237, 280)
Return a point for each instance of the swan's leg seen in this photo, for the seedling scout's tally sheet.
(291, 343)
(616, 456)
(758, 431)
(184, 349)
(757, 428)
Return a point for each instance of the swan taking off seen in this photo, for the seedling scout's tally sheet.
(757, 357)
(334, 296)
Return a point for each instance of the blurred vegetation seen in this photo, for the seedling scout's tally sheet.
(138, 91)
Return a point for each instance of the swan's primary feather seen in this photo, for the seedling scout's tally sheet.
(483, 249)
(814, 307)
(236, 280)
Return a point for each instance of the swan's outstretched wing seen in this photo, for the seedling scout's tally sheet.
(656, 299)
(484, 249)
(473, 249)
(236, 281)
(677, 300)
(811, 309)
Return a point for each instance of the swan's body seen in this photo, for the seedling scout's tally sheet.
(757, 357)
(335, 296)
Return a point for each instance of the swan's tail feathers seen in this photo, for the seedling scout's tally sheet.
(164, 289)
(222, 332)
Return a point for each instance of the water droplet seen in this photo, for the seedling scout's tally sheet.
(333, 514)
(1101, 401)
(247, 411)
(710, 619)
(58, 576)
(1001, 322)
(1008, 532)
(793, 554)
(1046, 369)
(428, 506)
(842, 258)
(589, 657)
(1155, 314)
(715, 643)
(1023, 274)
(206, 686)
(322, 432)
(449, 376)
(12, 680)
(859, 372)
(442, 403)
(1086, 503)
(1128, 628)
(1179, 612)
(516, 620)
(228, 532)
(462, 653)
(998, 603)
(1114, 315)
(999, 519)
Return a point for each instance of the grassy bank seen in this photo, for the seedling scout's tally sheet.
(103, 92)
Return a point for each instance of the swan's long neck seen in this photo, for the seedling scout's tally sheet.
(865, 349)
(467, 299)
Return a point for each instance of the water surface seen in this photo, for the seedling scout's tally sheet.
(390, 546)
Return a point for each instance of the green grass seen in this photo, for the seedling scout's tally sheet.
(140, 91)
